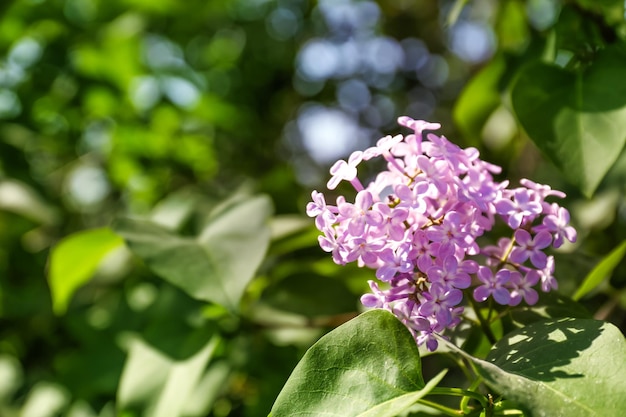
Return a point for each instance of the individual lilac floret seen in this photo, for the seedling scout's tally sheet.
(358, 215)
(546, 275)
(493, 285)
(394, 262)
(417, 222)
(449, 275)
(530, 247)
(438, 301)
(343, 170)
(558, 223)
(523, 206)
(523, 287)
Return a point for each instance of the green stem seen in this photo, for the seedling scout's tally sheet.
(484, 325)
(466, 398)
(455, 12)
(509, 412)
(458, 392)
(446, 410)
(490, 312)
(507, 252)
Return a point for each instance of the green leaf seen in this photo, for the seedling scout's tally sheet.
(369, 366)
(601, 271)
(612, 10)
(22, 199)
(74, 260)
(455, 12)
(512, 28)
(578, 119)
(216, 266)
(567, 367)
(311, 294)
(550, 306)
(479, 99)
(158, 385)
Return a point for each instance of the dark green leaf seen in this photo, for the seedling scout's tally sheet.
(311, 295)
(567, 367)
(369, 366)
(218, 265)
(601, 271)
(578, 119)
(612, 10)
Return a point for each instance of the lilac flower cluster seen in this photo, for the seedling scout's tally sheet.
(417, 224)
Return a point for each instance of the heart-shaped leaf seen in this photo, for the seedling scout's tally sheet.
(369, 366)
(578, 119)
(218, 265)
(567, 367)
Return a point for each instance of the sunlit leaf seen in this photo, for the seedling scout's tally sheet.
(22, 199)
(287, 225)
(207, 389)
(512, 27)
(455, 12)
(578, 119)
(550, 306)
(217, 265)
(157, 384)
(567, 367)
(174, 210)
(369, 366)
(601, 271)
(74, 260)
(51, 397)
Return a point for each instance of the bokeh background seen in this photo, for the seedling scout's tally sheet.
(126, 107)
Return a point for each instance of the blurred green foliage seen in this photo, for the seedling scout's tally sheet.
(176, 112)
(107, 107)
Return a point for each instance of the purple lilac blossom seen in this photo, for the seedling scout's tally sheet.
(416, 224)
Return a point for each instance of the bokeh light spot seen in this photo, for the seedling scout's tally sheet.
(318, 59)
(472, 41)
(327, 133)
(353, 95)
(282, 24)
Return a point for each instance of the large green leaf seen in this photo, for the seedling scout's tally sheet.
(578, 119)
(550, 306)
(369, 366)
(567, 367)
(601, 271)
(74, 260)
(216, 266)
